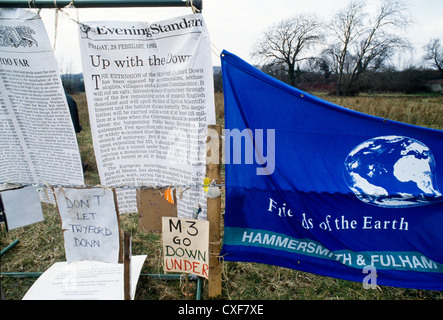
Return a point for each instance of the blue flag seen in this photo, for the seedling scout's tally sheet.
(320, 188)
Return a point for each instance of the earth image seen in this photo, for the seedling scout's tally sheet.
(392, 171)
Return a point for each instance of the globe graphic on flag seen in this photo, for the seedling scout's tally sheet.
(393, 172)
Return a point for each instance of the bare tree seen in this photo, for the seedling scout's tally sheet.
(285, 42)
(346, 28)
(362, 42)
(434, 54)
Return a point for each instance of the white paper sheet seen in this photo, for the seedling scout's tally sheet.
(37, 138)
(85, 280)
(22, 207)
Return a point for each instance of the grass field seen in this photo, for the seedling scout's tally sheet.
(41, 244)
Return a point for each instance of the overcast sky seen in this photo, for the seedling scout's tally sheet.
(235, 25)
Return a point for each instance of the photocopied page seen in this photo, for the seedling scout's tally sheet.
(85, 280)
(37, 136)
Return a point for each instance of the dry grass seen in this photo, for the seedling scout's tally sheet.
(41, 244)
(425, 111)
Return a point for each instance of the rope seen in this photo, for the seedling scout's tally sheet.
(176, 186)
(185, 291)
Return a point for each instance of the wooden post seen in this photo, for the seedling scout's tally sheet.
(127, 251)
(187, 286)
(213, 146)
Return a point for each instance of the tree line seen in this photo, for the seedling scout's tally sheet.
(355, 51)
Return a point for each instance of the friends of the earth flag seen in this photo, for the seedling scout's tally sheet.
(319, 188)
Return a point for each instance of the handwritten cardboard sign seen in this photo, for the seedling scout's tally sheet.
(90, 223)
(185, 246)
(152, 206)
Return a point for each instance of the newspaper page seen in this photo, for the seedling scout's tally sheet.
(37, 138)
(150, 94)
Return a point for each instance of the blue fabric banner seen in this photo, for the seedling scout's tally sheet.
(320, 188)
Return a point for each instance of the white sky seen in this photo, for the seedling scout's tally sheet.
(235, 25)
